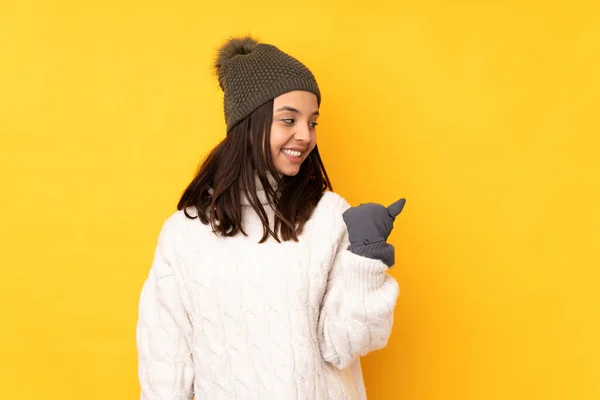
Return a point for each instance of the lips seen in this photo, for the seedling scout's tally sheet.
(292, 152)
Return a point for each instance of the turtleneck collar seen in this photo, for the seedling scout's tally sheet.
(260, 191)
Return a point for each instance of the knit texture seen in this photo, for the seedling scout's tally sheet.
(250, 80)
(380, 250)
(228, 318)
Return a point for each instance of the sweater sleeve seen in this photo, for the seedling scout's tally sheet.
(358, 307)
(164, 331)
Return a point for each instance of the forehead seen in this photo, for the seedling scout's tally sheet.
(302, 101)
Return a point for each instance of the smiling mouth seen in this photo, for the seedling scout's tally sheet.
(292, 153)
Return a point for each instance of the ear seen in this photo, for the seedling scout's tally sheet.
(395, 209)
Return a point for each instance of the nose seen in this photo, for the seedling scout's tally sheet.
(302, 133)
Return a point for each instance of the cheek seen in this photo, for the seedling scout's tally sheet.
(277, 139)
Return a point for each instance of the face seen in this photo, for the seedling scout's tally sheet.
(293, 131)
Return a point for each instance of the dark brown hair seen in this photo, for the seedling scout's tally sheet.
(228, 172)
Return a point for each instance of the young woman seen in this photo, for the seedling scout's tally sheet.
(265, 284)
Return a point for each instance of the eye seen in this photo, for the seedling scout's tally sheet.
(288, 121)
(314, 124)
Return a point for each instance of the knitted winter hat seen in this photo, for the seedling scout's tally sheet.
(252, 73)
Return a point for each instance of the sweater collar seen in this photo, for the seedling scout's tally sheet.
(260, 191)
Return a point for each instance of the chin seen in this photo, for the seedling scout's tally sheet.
(290, 172)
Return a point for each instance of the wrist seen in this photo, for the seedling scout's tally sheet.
(365, 241)
(380, 250)
(362, 274)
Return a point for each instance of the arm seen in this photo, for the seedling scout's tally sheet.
(358, 307)
(166, 369)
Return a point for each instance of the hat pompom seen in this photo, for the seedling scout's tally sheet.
(234, 47)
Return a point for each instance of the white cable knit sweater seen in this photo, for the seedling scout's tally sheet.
(228, 318)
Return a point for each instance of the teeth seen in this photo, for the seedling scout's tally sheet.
(292, 153)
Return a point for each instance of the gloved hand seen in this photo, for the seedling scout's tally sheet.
(369, 225)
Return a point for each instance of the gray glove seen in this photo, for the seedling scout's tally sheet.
(369, 225)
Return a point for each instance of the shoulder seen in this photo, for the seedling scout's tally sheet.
(178, 219)
(178, 226)
(333, 203)
(327, 216)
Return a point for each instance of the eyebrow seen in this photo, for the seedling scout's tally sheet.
(294, 110)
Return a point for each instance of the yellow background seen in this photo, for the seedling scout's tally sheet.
(484, 115)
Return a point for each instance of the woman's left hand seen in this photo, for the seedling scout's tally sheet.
(369, 225)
